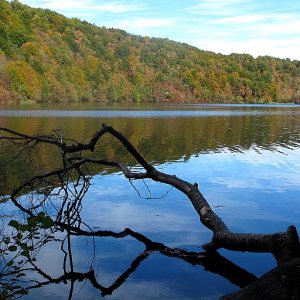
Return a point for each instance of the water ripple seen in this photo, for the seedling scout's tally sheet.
(135, 114)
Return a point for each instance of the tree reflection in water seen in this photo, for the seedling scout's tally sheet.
(23, 263)
(50, 206)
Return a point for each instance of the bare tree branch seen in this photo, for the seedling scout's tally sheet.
(69, 183)
(284, 246)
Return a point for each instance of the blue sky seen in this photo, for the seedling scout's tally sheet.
(257, 27)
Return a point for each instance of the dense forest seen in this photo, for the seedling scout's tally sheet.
(46, 57)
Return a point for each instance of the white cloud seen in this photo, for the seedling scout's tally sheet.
(239, 19)
(216, 7)
(292, 27)
(256, 34)
(117, 8)
(254, 46)
(217, 4)
(139, 23)
(259, 24)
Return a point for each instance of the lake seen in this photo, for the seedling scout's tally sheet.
(245, 158)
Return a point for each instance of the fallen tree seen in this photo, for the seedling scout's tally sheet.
(75, 157)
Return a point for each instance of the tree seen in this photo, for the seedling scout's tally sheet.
(43, 38)
(63, 189)
(23, 81)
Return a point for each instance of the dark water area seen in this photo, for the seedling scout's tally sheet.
(246, 160)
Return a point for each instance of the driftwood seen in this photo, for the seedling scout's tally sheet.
(284, 246)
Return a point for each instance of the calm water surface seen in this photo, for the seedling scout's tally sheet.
(246, 160)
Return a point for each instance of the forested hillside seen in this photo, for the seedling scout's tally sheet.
(47, 57)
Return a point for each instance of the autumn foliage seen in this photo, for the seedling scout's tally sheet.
(47, 57)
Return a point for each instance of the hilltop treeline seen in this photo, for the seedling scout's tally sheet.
(47, 57)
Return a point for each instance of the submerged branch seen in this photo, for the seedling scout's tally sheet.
(284, 246)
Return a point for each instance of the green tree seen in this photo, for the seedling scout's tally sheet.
(23, 81)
